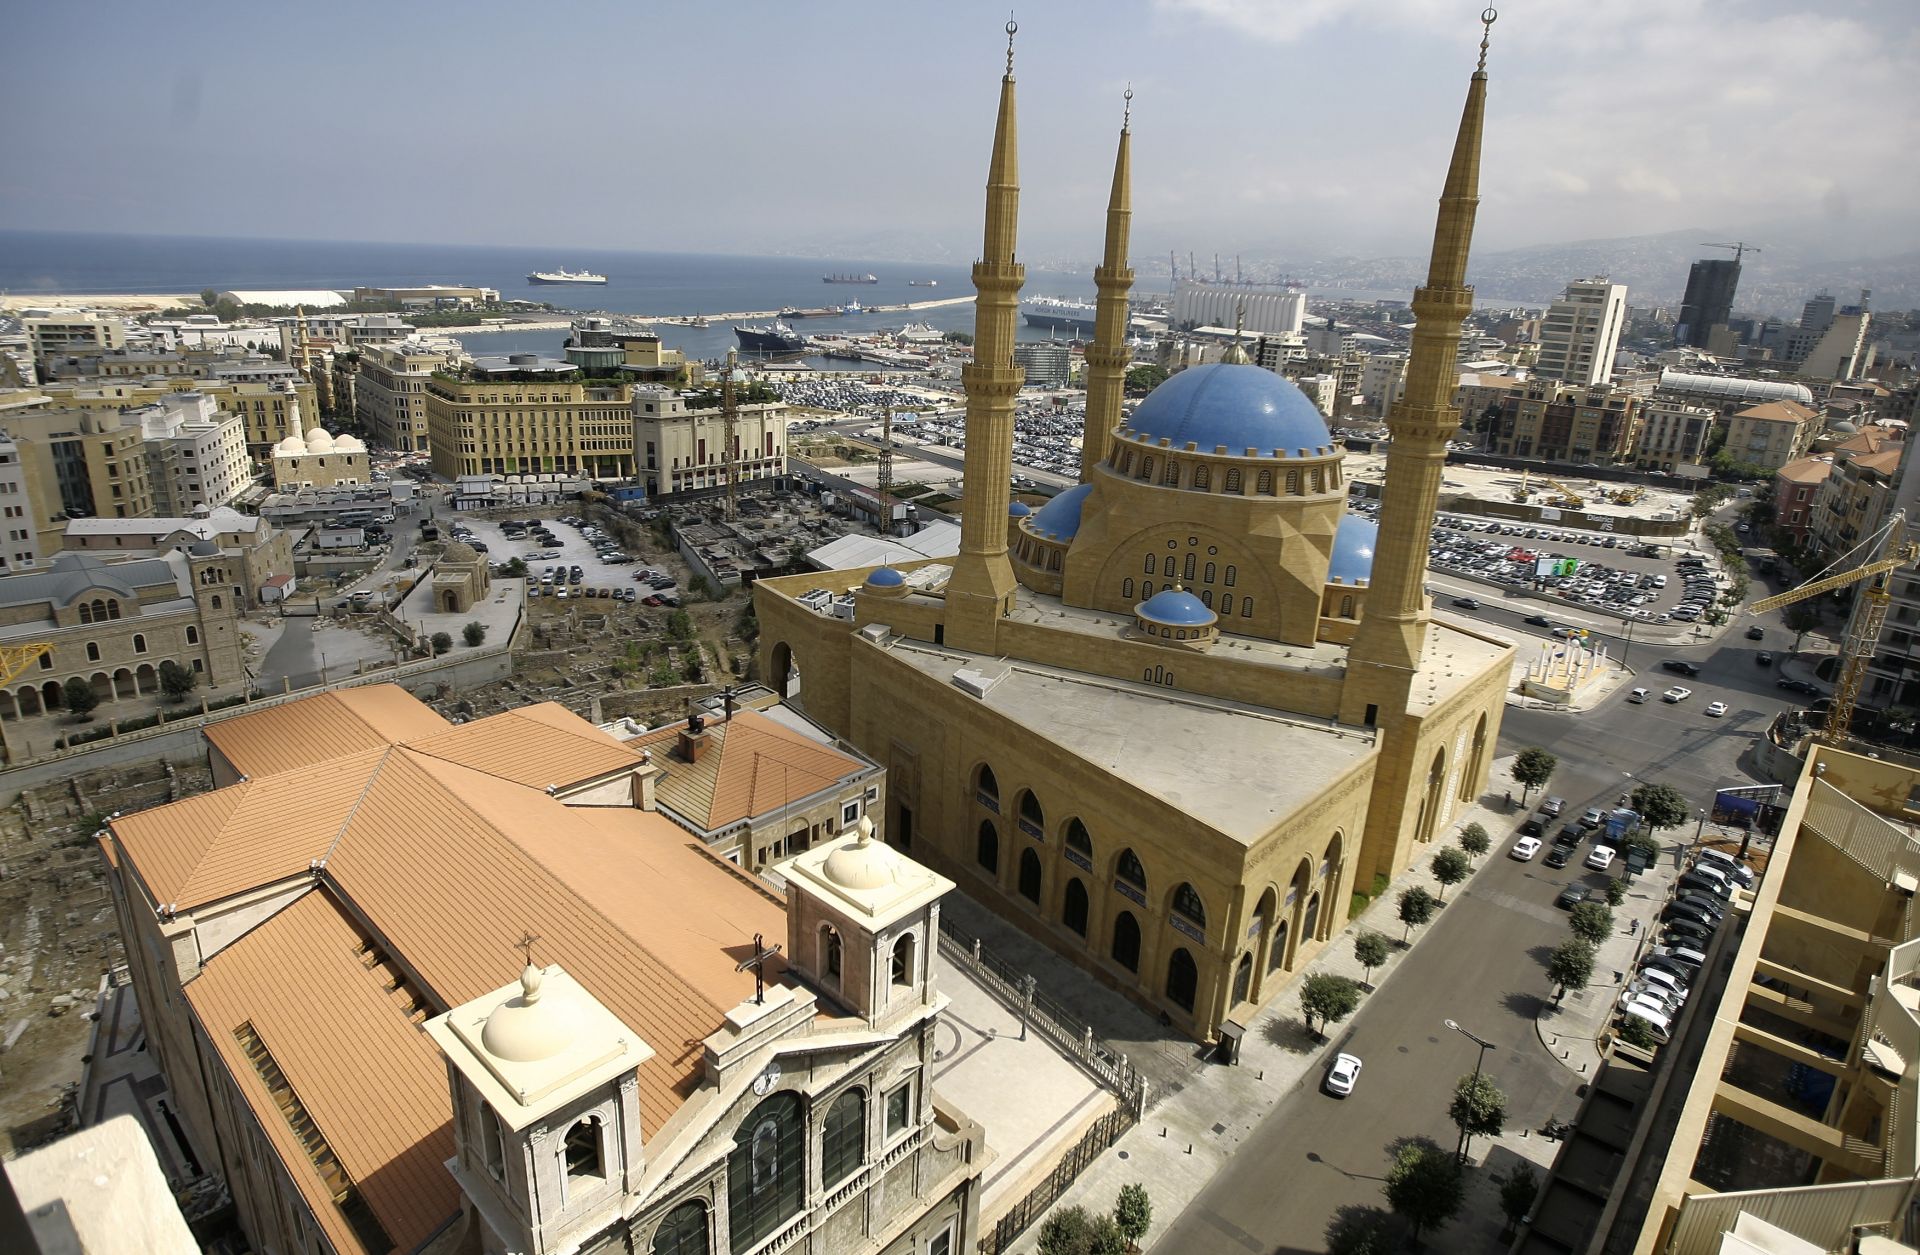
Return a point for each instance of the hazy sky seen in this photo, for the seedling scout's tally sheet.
(1274, 127)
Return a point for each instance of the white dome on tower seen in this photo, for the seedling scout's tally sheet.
(531, 1026)
(292, 446)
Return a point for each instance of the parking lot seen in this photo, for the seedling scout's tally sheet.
(572, 547)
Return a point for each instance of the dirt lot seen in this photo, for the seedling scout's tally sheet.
(58, 933)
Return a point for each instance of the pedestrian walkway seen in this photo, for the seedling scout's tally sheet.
(1188, 1135)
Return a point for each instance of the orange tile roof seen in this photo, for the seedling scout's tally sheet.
(324, 726)
(1887, 461)
(1778, 411)
(1805, 470)
(534, 745)
(374, 1084)
(753, 766)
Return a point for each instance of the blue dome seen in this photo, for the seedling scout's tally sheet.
(1059, 519)
(1176, 608)
(1353, 550)
(1019, 509)
(1238, 407)
(886, 577)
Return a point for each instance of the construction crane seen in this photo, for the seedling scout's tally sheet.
(729, 417)
(884, 485)
(1738, 247)
(14, 661)
(1863, 635)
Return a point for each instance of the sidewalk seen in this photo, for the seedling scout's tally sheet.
(1187, 1137)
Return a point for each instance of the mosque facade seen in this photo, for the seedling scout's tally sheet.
(1171, 721)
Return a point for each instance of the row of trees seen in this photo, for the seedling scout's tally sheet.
(1075, 1231)
(176, 682)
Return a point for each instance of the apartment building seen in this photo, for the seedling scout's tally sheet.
(1581, 333)
(196, 452)
(1484, 399)
(19, 533)
(1796, 486)
(1773, 434)
(271, 410)
(1560, 422)
(58, 332)
(80, 463)
(526, 414)
(1673, 433)
(1855, 499)
(678, 448)
(390, 391)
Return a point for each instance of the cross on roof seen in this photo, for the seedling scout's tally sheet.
(758, 961)
(525, 945)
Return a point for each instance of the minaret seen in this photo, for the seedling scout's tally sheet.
(982, 587)
(1107, 355)
(1393, 627)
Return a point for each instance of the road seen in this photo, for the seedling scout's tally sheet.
(1480, 964)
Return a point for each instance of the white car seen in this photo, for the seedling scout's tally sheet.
(1525, 848)
(1676, 694)
(1601, 859)
(1344, 1074)
(1716, 709)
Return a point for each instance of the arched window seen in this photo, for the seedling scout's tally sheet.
(1053, 560)
(583, 1150)
(1170, 476)
(843, 1138)
(1206, 598)
(1312, 918)
(1126, 941)
(1232, 572)
(1030, 810)
(1149, 564)
(1209, 578)
(1146, 588)
(113, 609)
(1078, 840)
(830, 957)
(904, 970)
(1246, 607)
(1243, 978)
(216, 602)
(1183, 978)
(1180, 634)
(1030, 875)
(1186, 570)
(1146, 468)
(193, 635)
(86, 613)
(1126, 587)
(1073, 912)
(1226, 604)
(1263, 483)
(1233, 479)
(683, 1232)
(988, 785)
(492, 1144)
(986, 850)
(1202, 478)
(139, 643)
(1186, 900)
(765, 1171)
(1129, 869)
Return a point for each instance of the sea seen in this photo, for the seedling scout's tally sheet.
(638, 283)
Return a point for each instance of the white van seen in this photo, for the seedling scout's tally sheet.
(1728, 864)
(1654, 1016)
(1639, 695)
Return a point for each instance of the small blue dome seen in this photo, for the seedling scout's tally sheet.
(1059, 519)
(1176, 608)
(1353, 550)
(886, 577)
(1019, 509)
(1238, 407)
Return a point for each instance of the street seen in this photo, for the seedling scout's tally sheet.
(1481, 962)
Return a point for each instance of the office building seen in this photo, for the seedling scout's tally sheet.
(678, 448)
(1674, 433)
(1581, 333)
(196, 452)
(57, 333)
(1773, 434)
(1566, 423)
(19, 529)
(1045, 365)
(1708, 302)
(390, 391)
(1840, 352)
(525, 414)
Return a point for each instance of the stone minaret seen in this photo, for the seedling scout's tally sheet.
(982, 588)
(1394, 625)
(1107, 355)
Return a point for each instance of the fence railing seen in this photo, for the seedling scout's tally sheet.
(1020, 993)
(1104, 1133)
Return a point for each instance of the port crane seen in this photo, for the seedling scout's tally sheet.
(1896, 550)
(1739, 248)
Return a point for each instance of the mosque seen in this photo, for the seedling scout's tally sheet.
(1171, 721)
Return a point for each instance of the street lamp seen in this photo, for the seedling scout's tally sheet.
(1700, 827)
(1460, 1149)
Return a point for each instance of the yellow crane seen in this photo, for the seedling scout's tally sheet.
(14, 661)
(1863, 635)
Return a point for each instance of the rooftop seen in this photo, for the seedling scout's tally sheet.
(1805, 470)
(752, 766)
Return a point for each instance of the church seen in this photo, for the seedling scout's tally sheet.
(1170, 722)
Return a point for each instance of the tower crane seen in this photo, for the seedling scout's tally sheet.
(1863, 635)
(1738, 247)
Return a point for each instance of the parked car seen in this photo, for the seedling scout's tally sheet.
(1524, 849)
(1533, 827)
(1649, 1013)
(1676, 694)
(1639, 695)
(1653, 974)
(1343, 1075)
(1728, 864)
(1688, 957)
(1601, 859)
(1569, 836)
(1689, 932)
(1678, 912)
(1797, 686)
(1592, 817)
(1572, 896)
(1552, 806)
(1701, 901)
(1716, 709)
(1558, 856)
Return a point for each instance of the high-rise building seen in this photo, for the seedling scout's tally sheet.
(1259, 309)
(1840, 352)
(1047, 365)
(1581, 332)
(390, 391)
(1708, 302)
(1817, 314)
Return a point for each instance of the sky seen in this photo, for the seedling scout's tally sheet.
(1276, 128)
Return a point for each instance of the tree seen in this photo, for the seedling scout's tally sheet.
(79, 697)
(1642, 842)
(1532, 769)
(1450, 867)
(1570, 966)
(1371, 949)
(1474, 839)
(1801, 617)
(1416, 908)
(1616, 892)
(1517, 1193)
(1363, 1231)
(209, 297)
(1478, 1109)
(1133, 1213)
(1637, 1032)
(1661, 805)
(442, 642)
(177, 681)
(1330, 997)
(474, 633)
(1071, 1231)
(1591, 921)
(1146, 377)
(1424, 1185)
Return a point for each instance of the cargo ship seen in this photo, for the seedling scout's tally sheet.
(923, 283)
(774, 338)
(849, 279)
(539, 277)
(1053, 314)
